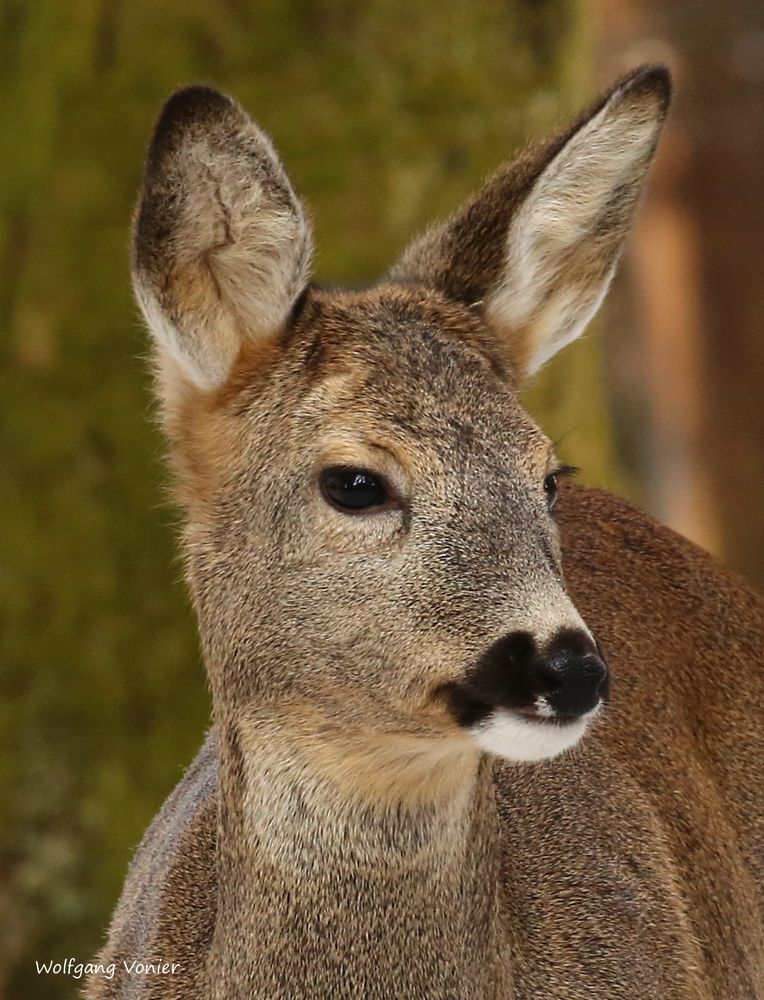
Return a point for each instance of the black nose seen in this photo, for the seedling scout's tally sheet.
(571, 678)
(563, 680)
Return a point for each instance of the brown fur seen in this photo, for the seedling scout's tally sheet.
(340, 835)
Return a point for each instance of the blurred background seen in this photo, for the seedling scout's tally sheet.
(387, 114)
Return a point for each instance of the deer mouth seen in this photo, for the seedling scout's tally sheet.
(525, 703)
(557, 686)
(529, 733)
(541, 713)
(469, 709)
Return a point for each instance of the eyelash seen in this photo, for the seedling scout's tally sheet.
(565, 471)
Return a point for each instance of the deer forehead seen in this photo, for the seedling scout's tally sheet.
(390, 368)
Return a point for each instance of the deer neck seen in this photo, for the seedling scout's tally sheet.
(326, 892)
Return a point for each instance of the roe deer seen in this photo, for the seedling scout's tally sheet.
(373, 547)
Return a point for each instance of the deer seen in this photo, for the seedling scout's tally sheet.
(418, 782)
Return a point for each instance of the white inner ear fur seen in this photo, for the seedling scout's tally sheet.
(241, 247)
(544, 296)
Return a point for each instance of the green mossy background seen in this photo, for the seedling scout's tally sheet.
(387, 114)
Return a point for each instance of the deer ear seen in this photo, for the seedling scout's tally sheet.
(537, 247)
(222, 245)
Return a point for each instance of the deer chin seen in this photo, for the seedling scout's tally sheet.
(528, 738)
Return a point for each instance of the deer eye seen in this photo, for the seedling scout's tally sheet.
(353, 491)
(550, 489)
(552, 480)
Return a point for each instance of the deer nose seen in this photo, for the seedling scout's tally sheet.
(561, 682)
(571, 678)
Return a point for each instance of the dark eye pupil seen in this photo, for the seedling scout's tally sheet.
(352, 489)
(550, 488)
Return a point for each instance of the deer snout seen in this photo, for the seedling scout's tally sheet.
(523, 701)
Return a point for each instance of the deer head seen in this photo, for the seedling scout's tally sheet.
(370, 538)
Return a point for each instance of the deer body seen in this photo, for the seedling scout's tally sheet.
(384, 807)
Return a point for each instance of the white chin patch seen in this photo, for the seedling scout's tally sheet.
(508, 735)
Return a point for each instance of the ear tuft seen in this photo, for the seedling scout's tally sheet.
(222, 244)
